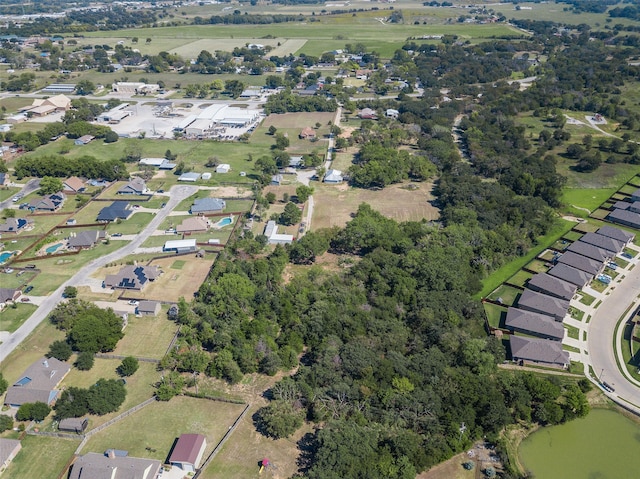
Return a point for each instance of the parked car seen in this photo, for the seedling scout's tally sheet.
(116, 235)
(28, 289)
(627, 255)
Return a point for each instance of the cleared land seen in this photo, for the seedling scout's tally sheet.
(41, 457)
(280, 47)
(147, 336)
(335, 204)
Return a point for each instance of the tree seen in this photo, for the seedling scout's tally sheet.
(278, 419)
(85, 361)
(134, 40)
(341, 143)
(170, 156)
(60, 350)
(282, 141)
(111, 137)
(128, 366)
(132, 152)
(70, 292)
(36, 411)
(4, 384)
(272, 130)
(8, 213)
(303, 192)
(291, 214)
(106, 396)
(96, 331)
(234, 88)
(148, 40)
(49, 185)
(270, 197)
(6, 423)
(85, 87)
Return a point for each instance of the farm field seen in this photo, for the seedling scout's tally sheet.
(334, 204)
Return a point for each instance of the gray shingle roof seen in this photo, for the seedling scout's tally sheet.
(117, 209)
(85, 239)
(38, 382)
(538, 350)
(205, 205)
(590, 251)
(544, 304)
(99, 466)
(570, 274)
(625, 217)
(536, 323)
(581, 262)
(603, 242)
(552, 286)
(616, 233)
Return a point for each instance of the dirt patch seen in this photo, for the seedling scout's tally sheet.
(230, 192)
(451, 469)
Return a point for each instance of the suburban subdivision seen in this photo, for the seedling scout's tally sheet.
(381, 239)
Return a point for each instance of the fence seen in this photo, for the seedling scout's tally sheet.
(119, 356)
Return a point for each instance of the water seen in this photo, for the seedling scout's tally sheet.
(5, 256)
(604, 445)
(225, 221)
(53, 248)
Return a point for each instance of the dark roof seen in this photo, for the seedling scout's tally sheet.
(570, 274)
(536, 323)
(590, 251)
(8, 294)
(85, 239)
(187, 449)
(8, 447)
(581, 262)
(132, 277)
(204, 205)
(539, 350)
(98, 466)
(625, 217)
(117, 209)
(552, 286)
(542, 303)
(621, 205)
(75, 424)
(616, 233)
(147, 306)
(603, 242)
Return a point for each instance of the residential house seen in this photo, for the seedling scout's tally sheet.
(539, 351)
(73, 185)
(188, 452)
(603, 242)
(570, 275)
(617, 234)
(136, 186)
(9, 449)
(634, 207)
(116, 210)
(48, 202)
(181, 246)
(333, 176)
(15, 225)
(148, 308)
(83, 140)
(391, 113)
(73, 424)
(590, 251)
(367, 114)
(206, 176)
(223, 168)
(38, 383)
(308, 133)
(113, 466)
(296, 161)
(541, 303)
(625, 218)
(580, 262)
(160, 163)
(207, 205)
(635, 196)
(134, 277)
(4, 178)
(552, 286)
(85, 239)
(276, 180)
(271, 232)
(196, 224)
(191, 177)
(537, 324)
(8, 295)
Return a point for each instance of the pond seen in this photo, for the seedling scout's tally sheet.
(604, 445)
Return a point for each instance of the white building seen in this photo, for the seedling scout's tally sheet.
(223, 168)
(180, 246)
(271, 232)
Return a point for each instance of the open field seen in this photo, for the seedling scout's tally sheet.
(451, 469)
(147, 336)
(12, 318)
(132, 225)
(589, 198)
(280, 47)
(496, 315)
(152, 431)
(41, 457)
(334, 204)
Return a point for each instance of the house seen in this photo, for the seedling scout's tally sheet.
(271, 232)
(635, 196)
(8, 295)
(134, 277)
(333, 176)
(136, 186)
(552, 286)
(617, 234)
(83, 140)
(603, 242)
(206, 176)
(188, 452)
(537, 324)
(9, 449)
(207, 205)
(625, 218)
(160, 163)
(15, 225)
(73, 185)
(634, 207)
(251, 93)
(539, 351)
(148, 308)
(276, 180)
(4, 178)
(73, 424)
(135, 88)
(45, 106)
(570, 275)
(541, 303)
(85, 239)
(116, 210)
(391, 113)
(196, 224)
(296, 161)
(38, 383)
(307, 133)
(48, 202)
(223, 168)
(113, 466)
(191, 177)
(580, 262)
(367, 114)
(181, 246)
(590, 251)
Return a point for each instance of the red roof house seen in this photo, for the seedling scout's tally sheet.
(188, 451)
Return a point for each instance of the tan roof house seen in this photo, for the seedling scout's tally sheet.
(307, 133)
(73, 185)
(9, 449)
(195, 224)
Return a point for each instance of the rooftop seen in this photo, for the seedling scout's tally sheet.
(539, 350)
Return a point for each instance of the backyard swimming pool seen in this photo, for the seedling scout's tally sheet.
(225, 221)
(53, 248)
(5, 256)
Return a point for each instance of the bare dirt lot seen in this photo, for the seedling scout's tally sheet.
(182, 276)
(335, 204)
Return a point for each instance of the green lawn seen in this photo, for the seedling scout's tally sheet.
(520, 278)
(576, 313)
(41, 457)
(572, 331)
(147, 336)
(178, 264)
(12, 318)
(495, 315)
(508, 294)
(133, 225)
(586, 298)
(538, 266)
(589, 198)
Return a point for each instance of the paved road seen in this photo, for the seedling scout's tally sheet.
(178, 193)
(28, 188)
(600, 339)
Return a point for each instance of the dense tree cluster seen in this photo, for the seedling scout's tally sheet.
(62, 167)
(105, 396)
(286, 101)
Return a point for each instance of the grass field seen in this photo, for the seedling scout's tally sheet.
(12, 318)
(152, 431)
(508, 295)
(41, 457)
(147, 336)
(589, 198)
(335, 204)
(132, 225)
(496, 315)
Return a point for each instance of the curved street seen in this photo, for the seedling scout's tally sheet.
(178, 194)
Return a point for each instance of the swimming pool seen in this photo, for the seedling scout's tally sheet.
(225, 221)
(53, 248)
(5, 256)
